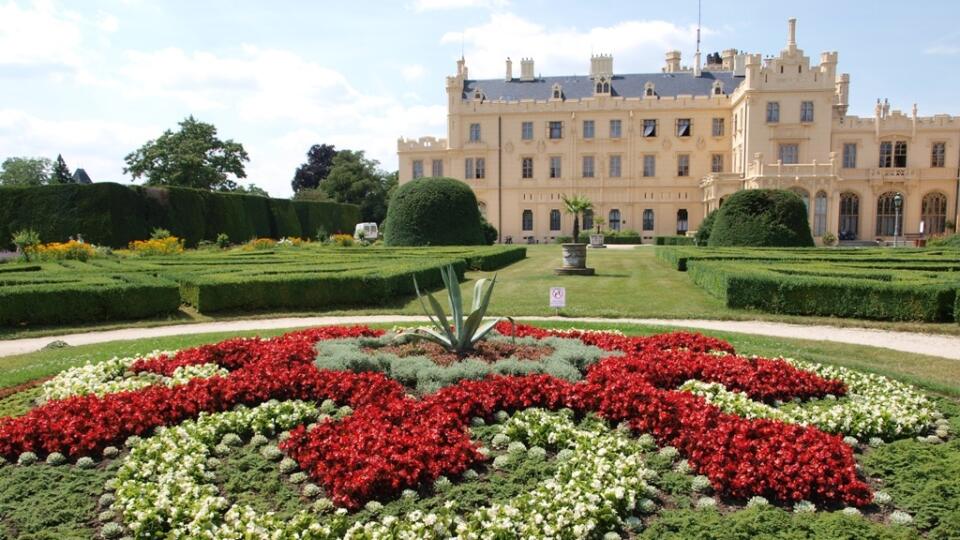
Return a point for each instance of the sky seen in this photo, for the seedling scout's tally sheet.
(95, 79)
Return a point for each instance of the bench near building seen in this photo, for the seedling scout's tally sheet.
(655, 152)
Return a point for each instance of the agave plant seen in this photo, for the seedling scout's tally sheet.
(465, 331)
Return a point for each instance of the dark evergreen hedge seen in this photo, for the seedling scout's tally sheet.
(702, 237)
(673, 241)
(433, 212)
(762, 218)
(114, 215)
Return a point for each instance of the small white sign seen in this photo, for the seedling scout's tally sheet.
(558, 297)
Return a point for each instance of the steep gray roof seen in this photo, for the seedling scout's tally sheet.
(630, 85)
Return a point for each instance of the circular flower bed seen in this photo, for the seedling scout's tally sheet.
(376, 429)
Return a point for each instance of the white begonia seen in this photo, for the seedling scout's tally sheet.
(875, 406)
(898, 517)
(706, 502)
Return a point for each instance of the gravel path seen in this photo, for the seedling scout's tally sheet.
(929, 344)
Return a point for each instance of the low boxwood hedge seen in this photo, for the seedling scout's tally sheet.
(742, 285)
(673, 240)
(87, 299)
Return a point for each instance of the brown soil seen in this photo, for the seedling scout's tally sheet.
(488, 351)
(11, 390)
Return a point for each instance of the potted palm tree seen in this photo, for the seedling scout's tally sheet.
(596, 239)
(575, 253)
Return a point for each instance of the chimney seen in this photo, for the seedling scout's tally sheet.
(792, 34)
(696, 64)
(673, 62)
(526, 69)
(509, 70)
(601, 65)
(727, 59)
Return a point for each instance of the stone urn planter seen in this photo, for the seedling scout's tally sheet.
(574, 261)
(596, 241)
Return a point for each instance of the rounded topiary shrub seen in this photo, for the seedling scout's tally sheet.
(703, 231)
(433, 212)
(762, 217)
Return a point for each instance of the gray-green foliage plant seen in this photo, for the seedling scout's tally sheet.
(568, 361)
(468, 328)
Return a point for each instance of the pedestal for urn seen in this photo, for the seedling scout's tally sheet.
(574, 261)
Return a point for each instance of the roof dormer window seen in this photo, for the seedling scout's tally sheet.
(478, 95)
(603, 86)
(557, 92)
(649, 90)
(717, 88)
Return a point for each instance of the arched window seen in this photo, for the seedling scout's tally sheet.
(648, 219)
(717, 88)
(599, 88)
(554, 220)
(889, 220)
(527, 220)
(606, 88)
(820, 214)
(934, 213)
(803, 194)
(614, 220)
(683, 223)
(587, 220)
(557, 92)
(849, 225)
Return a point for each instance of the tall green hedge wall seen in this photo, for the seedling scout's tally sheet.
(114, 215)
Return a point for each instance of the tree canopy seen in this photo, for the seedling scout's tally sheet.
(316, 169)
(25, 171)
(61, 173)
(358, 180)
(192, 157)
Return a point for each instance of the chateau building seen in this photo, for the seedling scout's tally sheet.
(656, 152)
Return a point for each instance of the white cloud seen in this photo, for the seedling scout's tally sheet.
(38, 35)
(412, 72)
(108, 23)
(437, 5)
(97, 146)
(636, 45)
(946, 50)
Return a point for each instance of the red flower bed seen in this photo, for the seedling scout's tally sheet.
(392, 442)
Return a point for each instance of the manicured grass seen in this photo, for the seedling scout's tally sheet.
(629, 283)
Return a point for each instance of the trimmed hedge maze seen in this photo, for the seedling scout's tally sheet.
(899, 285)
(211, 281)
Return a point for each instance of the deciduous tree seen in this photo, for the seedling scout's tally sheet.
(25, 171)
(192, 157)
(318, 165)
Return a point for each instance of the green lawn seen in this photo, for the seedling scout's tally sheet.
(629, 283)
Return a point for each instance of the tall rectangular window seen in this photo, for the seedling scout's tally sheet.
(527, 220)
(614, 166)
(554, 220)
(526, 166)
(649, 165)
(474, 132)
(649, 127)
(683, 165)
(526, 131)
(849, 155)
(718, 127)
(773, 112)
(938, 154)
(683, 127)
(588, 166)
(788, 154)
(436, 168)
(555, 166)
(481, 168)
(588, 129)
(616, 129)
(716, 163)
(900, 154)
(556, 130)
(468, 168)
(806, 111)
(417, 168)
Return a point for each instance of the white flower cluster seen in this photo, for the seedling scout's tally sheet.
(874, 406)
(602, 480)
(114, 375)
(165, 489)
